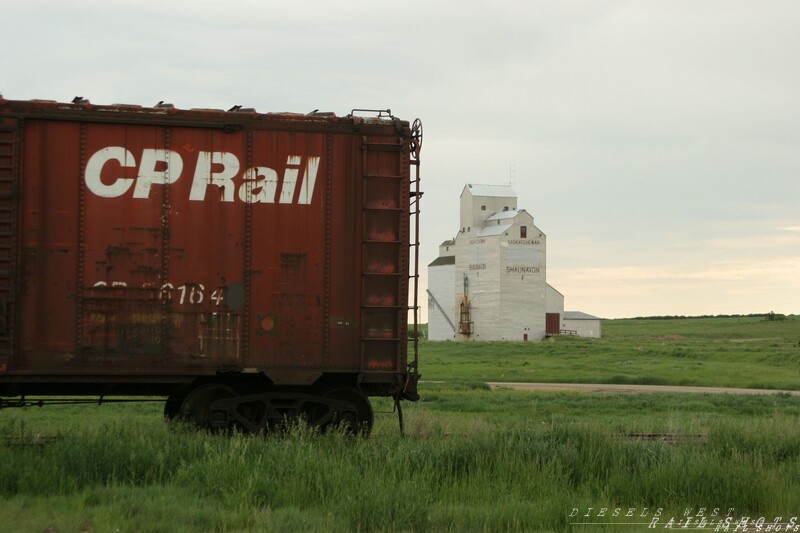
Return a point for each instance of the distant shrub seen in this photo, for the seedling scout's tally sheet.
(469, 385)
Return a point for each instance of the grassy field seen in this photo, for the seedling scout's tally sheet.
(473, 459)
(748, 352)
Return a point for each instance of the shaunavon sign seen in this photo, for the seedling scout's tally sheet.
(522, 270)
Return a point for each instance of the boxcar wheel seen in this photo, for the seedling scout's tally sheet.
(196, 407)
(172, 407)
(359, 419)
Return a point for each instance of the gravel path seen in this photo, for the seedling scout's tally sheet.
(627, 389)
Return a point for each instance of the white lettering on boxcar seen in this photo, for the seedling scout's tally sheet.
(260, 184)
(148, 175)
(204, 175)
(309, 179)
(104, 176)
(95, 166)
(185, 294)
(290, 178)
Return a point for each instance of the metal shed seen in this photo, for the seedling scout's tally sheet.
(581, 324)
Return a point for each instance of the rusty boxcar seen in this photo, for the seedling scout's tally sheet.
(248, 267)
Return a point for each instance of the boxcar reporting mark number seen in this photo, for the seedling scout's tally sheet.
(186, 294)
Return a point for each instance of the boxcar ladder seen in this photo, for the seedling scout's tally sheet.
(386, 200)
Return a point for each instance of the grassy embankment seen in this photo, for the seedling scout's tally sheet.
(748, 352)
(474, 460)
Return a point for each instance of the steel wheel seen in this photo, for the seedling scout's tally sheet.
(196, 408)
(353, 411)
(172, 407)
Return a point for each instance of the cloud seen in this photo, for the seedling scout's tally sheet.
(650, 139)
(723, 287)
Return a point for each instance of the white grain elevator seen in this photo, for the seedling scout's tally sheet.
(490, 281)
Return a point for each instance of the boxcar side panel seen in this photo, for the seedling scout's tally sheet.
(177, 248)
(344, 244)
(51, 167)
(9, 240)
(288, 262)
(123, 314)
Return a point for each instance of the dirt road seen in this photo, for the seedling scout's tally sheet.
(627, 389)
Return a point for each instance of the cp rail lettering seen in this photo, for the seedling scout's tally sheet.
(105, 176)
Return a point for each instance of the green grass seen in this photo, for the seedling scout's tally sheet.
(747, 352)
(474, 459)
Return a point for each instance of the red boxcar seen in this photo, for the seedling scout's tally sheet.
(250, 267)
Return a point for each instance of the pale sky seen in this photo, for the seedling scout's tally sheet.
(655, 142)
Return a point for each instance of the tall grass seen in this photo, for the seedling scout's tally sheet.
(474, 459)
(520, 461)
